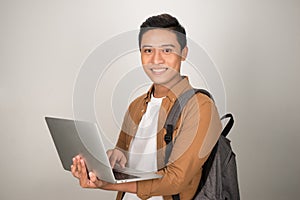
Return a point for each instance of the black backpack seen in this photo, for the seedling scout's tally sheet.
(219, 174)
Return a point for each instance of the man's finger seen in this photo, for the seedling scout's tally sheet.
(83, 168)
(111, 158)
(109, 152)
(95, 182)
(93, 177)
(78, 165)
(123, 161)
(112, 161)
(73, 167)
(84, 180)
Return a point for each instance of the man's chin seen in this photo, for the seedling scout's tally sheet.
(164, 83)
(159, 82)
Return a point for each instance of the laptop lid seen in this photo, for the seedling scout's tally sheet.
(73, 137)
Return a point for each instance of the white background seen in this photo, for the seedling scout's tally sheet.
(254, 43)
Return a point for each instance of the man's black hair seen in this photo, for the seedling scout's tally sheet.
(164, 21)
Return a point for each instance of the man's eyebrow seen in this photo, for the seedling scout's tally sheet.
(163, 45)
(146, 45)
(168, 45)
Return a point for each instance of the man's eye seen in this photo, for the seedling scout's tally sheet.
(168, 50)
(147, 50)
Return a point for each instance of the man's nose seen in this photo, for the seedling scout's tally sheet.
(157, 57)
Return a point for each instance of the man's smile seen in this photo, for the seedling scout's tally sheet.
(159, 71)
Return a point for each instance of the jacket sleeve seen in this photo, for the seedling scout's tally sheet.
(198, 130)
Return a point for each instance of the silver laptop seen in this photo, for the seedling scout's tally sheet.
(72, 137)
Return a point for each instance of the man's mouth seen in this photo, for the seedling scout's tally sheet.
(158, 70)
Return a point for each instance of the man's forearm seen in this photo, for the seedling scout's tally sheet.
(122, 187)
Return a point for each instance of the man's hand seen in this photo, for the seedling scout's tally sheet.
(116, 156)
(79, 171)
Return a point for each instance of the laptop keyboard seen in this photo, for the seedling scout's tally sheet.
(121, 176)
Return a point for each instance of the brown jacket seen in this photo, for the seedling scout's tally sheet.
(195, 134)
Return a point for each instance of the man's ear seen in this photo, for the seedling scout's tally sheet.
(184, 53)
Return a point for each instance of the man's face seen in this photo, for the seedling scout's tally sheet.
(161, 56)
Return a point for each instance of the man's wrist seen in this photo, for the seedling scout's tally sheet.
(122, 187)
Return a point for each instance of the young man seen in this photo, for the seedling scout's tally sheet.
(141, 143)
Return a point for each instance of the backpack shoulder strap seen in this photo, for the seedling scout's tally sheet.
(176, 110)
(174, 114)
(229, 124)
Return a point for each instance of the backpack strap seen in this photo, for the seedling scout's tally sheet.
(229, 124)
(174, 114)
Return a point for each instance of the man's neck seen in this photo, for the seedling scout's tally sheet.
(162, 90)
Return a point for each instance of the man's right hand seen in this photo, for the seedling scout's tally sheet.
(116, 156)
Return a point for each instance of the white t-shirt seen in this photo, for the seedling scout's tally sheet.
(142, 151)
